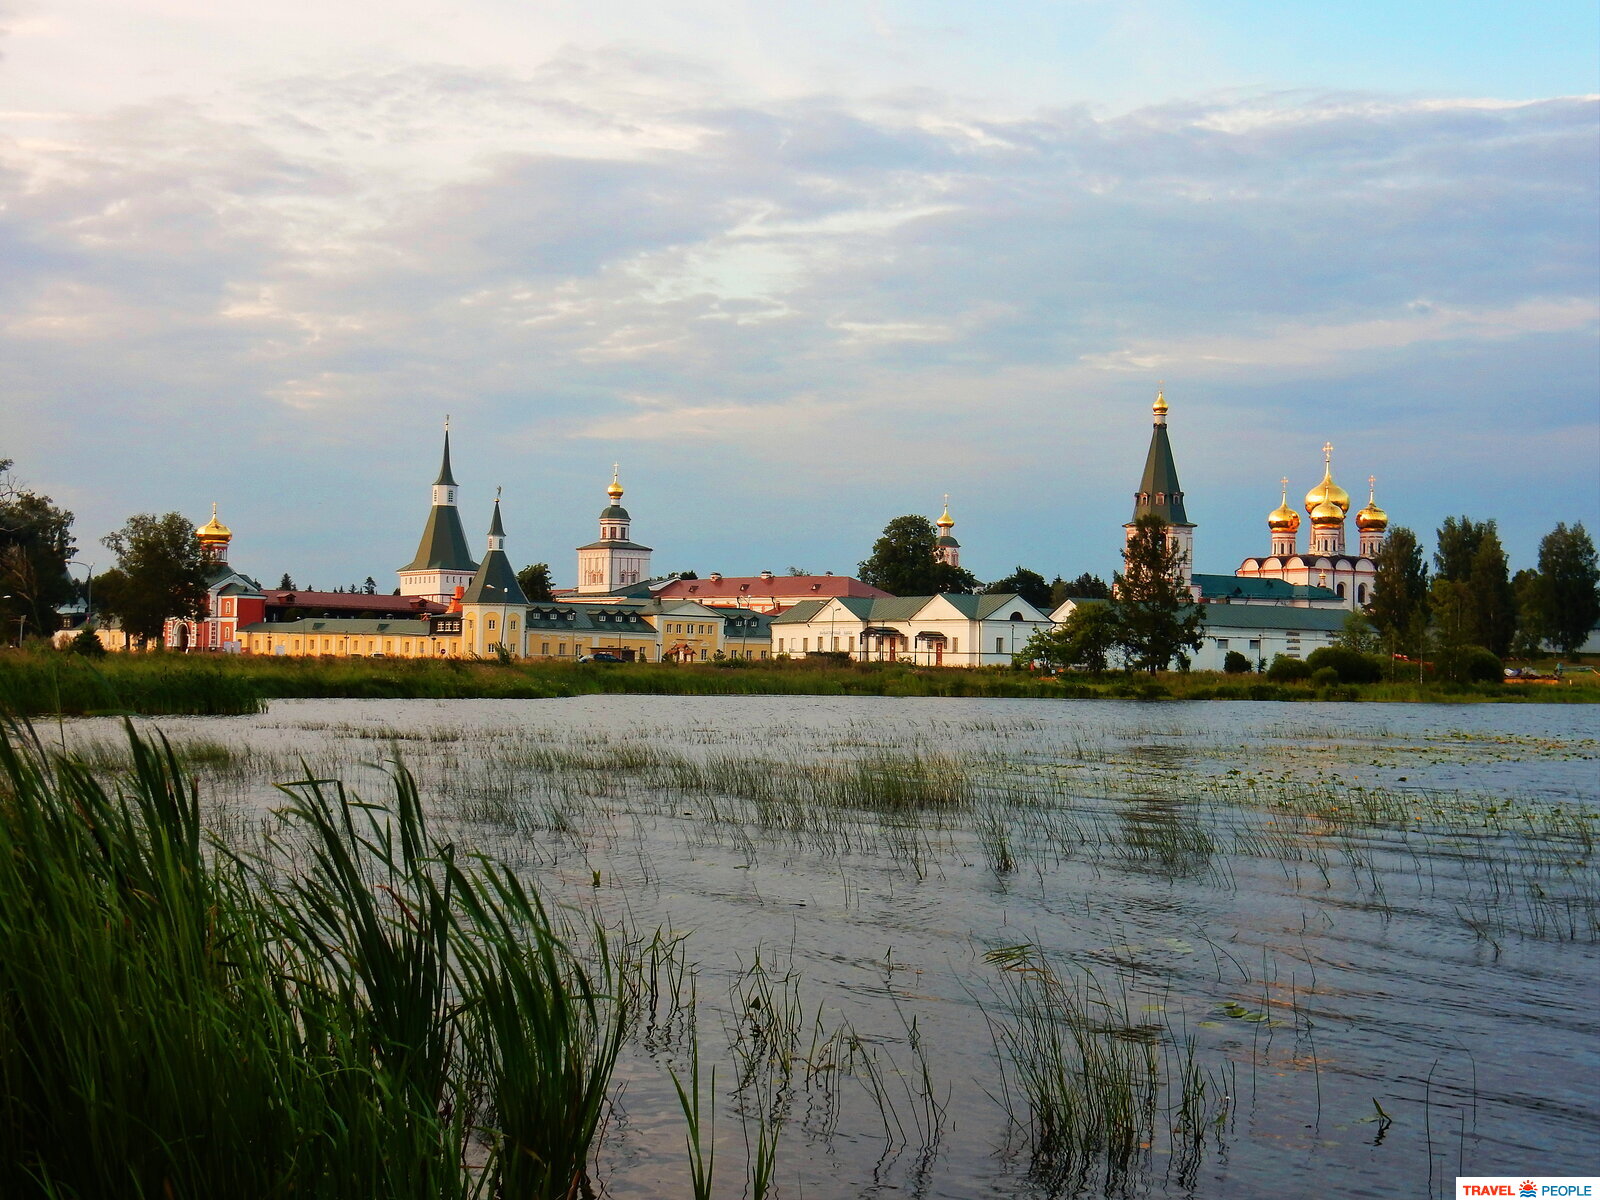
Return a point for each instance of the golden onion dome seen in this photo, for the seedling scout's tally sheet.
(615, 490)
(214, 530)
(1283, 519)
(1328, 490)
(946, 521)
(1372, 519)
(1327, 513)
(1159, 408)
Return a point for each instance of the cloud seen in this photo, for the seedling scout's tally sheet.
(604, 249)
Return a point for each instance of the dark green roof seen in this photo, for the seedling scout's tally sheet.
(446, 479)
(947, 540)
(444, 544)
(1272, 616)
(1231, 587)
(615, 513)
(495, 582)
(613, 544)
(1159, 490)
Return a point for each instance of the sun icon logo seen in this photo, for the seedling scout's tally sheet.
(1527, 1192)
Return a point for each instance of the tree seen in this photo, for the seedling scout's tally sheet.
(798, 571)
(1359, 634)
(1157, 618)
(1084, 587)
(1085, 639)
(1030, 585)
(1528, 587)
(1470, 553)
(535, 581)
(1570, 592)
(370, 587)
(162, 573)
(903, 562)
(286, 584)
(35, 545)
(1399, 605)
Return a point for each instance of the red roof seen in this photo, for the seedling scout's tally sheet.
(409, 606)
(758, 589)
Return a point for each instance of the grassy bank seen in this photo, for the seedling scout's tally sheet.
(44, 682)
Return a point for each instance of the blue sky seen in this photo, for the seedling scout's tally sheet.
(799, 268)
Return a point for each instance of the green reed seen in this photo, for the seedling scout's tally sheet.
(354, 1010)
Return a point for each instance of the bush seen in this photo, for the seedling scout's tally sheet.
(1470, 664)
(1348, 666)
(1324, 677)
(1235, 663)
(1287, 670)
(87, 644)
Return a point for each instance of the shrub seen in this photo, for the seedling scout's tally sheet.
(1235, 663)
(1349, 666)
(1470, 664)
(1287, 670)
(87, 644)
(1324, 677)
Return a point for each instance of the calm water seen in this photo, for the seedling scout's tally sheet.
(1440, 962)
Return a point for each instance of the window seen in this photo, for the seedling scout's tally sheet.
(955, 644)
(1361, 593)
(702, 656)
(1000, 645)
(763, 654)
(1255, 644)
(561, 649)
(805, 644)
(1338, 590)
(1222, 643)
(489, 625)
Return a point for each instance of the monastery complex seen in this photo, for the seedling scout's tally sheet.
(450, 604)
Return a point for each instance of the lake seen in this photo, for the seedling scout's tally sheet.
(1314, 948)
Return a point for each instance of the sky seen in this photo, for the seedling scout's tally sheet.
(797, 268)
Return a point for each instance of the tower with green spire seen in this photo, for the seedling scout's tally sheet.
(1160, 493)
(494, 609)
(443, 562)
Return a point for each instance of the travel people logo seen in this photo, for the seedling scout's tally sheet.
(1526, 1187)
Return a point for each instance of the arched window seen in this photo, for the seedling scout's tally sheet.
(1016, 616)
(1361, 593)
(1338, 590)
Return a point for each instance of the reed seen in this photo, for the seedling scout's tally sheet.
(352, 1011)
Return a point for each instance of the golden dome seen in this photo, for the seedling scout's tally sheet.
(1327, 513)
(1327, 490)
(946, 521)
(1372, 519)
(214, 530)
(1284, 519)
(615, 490)
(1159, 408)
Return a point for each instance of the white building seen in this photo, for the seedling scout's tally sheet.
(614, 561)
(949, 630)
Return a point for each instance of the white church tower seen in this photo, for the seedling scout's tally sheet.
(615, 560)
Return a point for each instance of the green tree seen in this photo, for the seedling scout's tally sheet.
(370, 587)
(1030, 585)
(1084, 587)
(1570, 592)
(1470, 553)
(535, 581)
(286, 583)
(1359, 634)
(1399, 607)
(35, 545)
(1157, 619)
(903, 562)
(1528, 586)
(162, 573)
(1085, 639)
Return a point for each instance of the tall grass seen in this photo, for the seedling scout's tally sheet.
(44, 681)
(354, 1010)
